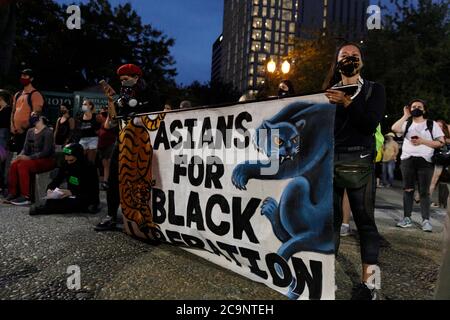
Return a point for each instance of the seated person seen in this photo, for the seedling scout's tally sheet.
(36, 157)
(82, 193)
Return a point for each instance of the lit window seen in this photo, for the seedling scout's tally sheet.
(257, 23)
(292, 27)
(287, 15)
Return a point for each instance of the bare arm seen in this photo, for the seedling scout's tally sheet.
(398, 126)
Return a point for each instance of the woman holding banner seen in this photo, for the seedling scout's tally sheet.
(360, 107)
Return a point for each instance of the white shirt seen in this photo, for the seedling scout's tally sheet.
(419, 129)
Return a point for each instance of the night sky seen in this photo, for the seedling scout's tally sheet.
(194, 24)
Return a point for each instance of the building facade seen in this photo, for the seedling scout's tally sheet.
(255, 31)
(216, 65)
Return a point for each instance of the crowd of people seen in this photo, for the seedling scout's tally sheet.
(83, 152)
(76, 150)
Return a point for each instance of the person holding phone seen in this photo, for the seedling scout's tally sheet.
(421, 138)
(358, 114)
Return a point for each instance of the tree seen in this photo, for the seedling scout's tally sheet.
(410, 57)
(310, 61)
(211, 93)
(7, 36)
(72, 60)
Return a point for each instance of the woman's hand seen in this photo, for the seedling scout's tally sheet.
(66, 193)
(417, 141)
(406, 112)
(338, 97)
(23, 158)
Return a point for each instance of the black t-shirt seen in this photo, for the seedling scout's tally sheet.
(88, 128)
(355, 125)
(5, 117)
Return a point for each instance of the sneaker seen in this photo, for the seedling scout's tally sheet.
(405, 223)
(9, 198)
(426, 226)
(21, 201)
(106, 225)
(434, 205)
(362, 292)
(345, 230)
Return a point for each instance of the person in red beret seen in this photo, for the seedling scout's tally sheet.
(133, 93)
(133, 100)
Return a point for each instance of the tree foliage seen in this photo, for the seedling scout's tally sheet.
(410, 56)
(68, 60)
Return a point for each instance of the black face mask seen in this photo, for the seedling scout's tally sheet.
(349, 66)
(417, 113)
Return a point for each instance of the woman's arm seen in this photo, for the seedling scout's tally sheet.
(398, 126)
(56, 128)
(72, 127)
(435, 144)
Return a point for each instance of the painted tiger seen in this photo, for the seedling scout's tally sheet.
(135, 172)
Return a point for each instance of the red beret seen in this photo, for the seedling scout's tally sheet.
(129, 70)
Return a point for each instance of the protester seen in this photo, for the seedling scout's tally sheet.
(133, 90)
(390, 153)
(5, 118)
(25, 102)
(64, 129)
(88, 127)
(357, 119)
(82, 193)
(285, 89)
(106, 141)
(167, 108)
(421, 137)
(36, 157)
(439, 169)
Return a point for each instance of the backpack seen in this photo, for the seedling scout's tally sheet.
(441, 156)
(430, 125)
(29, 100)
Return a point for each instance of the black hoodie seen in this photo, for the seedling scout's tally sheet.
(82, 181)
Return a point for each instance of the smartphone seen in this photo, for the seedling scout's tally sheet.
(349, 90)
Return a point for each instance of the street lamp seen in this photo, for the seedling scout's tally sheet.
(271, 66)
(285, 67)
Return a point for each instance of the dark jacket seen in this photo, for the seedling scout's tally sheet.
(82, 181)
(355, 125)
(39, 146)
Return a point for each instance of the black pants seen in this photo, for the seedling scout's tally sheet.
(362, 204)
(417, 169)
(62, 206)
(113, 192)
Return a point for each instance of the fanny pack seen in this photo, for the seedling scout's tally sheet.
(354, 172)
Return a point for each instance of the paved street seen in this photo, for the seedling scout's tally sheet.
(36, 251)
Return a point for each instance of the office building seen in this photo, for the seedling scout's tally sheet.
(255, 31)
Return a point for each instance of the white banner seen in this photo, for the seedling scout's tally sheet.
(247, 187)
